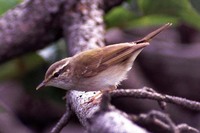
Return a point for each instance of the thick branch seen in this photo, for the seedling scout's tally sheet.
(28, 27)
(34, 24)
(84, 25)
(98, 120)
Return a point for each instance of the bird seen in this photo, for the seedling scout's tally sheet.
(97, 69)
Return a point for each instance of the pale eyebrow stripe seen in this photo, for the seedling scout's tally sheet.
(60, 68)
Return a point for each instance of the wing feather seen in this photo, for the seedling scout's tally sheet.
(92, 62)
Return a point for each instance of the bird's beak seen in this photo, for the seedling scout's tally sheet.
(41, 85)
(142, 45)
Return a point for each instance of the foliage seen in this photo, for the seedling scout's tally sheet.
(7, 4)
(154, 12)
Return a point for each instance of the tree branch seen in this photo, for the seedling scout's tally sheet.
(144, 93)
(63, 120)
(98, 120)
(30, 26)
(155, 119)
(33, 24)
(83, 25)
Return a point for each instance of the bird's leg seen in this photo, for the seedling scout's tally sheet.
(97, 98)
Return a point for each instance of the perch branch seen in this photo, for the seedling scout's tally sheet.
(98, 120)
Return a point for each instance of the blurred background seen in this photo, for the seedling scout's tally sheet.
(170, 65)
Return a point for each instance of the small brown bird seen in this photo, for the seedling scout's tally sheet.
(97, 69)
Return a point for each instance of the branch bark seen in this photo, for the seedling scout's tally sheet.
(98, 120)
(83, 25)
(146, 94)
(34, 24)
(30, 26)
(63, 120)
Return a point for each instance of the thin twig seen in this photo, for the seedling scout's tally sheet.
(186, 128)
(163, 121)
(158, 119)
(63, 120)
(145, 94)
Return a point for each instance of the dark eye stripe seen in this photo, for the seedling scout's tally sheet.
(56, 74)
(62, 70)
(52, 68)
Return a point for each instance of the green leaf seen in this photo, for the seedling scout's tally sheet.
(196, 5)
(126, 18)
(7, 4)
(151, 20)
(183, 10)
(118, 17)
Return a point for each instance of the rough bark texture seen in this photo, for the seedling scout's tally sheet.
(34, 24)
(30, 26)
(83, 25)
(98, 120)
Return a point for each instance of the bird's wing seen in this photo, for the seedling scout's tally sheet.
(91, 62)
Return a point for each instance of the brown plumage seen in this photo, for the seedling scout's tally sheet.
(96, 69)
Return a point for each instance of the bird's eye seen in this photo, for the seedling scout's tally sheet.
(56, 74)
